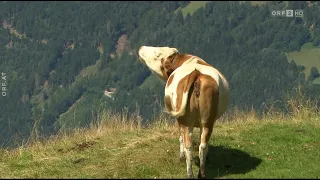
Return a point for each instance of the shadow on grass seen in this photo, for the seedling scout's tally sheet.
(222, 161)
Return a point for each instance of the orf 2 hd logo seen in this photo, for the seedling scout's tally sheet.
(288, 13)
(298, 13)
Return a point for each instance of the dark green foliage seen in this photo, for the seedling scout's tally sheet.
(314, 73)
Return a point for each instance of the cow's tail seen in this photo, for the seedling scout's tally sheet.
(186, 90)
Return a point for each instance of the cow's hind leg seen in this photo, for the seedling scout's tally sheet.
(187, 134)
(182, 155)
(208, 107)
(203, 150)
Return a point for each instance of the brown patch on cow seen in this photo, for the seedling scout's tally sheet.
(180, 59)
(184, 86)
(172, 62)
(191, 116)
(166, 69)
(202, 107)
(196, 88)
(208, 109)
(203, 63)
(167, 101)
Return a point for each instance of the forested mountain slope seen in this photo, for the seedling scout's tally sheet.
(60, 57)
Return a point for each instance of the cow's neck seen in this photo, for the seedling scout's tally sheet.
(176, 62)
(179, 59)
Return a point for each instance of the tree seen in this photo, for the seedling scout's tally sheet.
(314, 73)
(188, 18)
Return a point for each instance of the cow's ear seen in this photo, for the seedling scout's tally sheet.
(171, 57)
(166, 63)
(166, 66)
(157, 53)
(175, 50)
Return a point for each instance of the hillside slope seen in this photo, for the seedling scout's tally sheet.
(242, 146)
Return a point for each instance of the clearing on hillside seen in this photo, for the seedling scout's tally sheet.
(195, 5)
(192, 7)
(308, 57)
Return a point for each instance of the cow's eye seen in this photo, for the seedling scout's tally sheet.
(157, 53)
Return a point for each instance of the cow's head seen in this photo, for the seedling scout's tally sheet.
(159, 59)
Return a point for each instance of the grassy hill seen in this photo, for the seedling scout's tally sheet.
(242, 146)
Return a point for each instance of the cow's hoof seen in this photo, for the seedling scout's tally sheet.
(200, 176)
(182, 158)
(190, 177)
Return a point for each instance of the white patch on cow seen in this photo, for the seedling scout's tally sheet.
(188, 154)
(185, 69)
(182, 155)
(189, 161)
(152, 57)
(203, 150)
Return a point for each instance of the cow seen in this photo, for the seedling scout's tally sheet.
(196, 94)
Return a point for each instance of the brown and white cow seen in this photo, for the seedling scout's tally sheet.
(196, 94)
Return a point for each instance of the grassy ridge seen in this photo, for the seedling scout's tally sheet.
(242, 146)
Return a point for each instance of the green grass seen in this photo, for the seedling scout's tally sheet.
(307, 46)
(308, 57)
(317, 81)
(195, 5)
(255, 3)
(192, 7)
(242, 146)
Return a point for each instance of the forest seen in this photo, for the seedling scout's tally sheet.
(60, 57)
